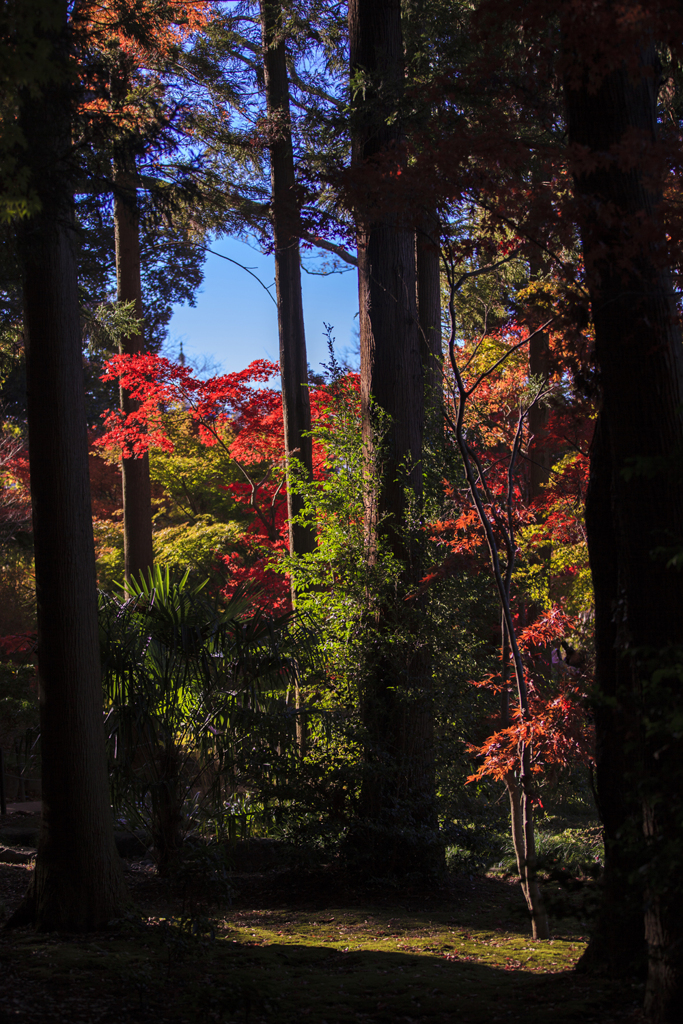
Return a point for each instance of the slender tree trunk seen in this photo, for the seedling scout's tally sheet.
(540, 463)
(296, 409)
(399, 785)
(78, 881)
(521, 815)
(137, 493)
(640, 359)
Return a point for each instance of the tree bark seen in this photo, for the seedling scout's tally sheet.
(428, 262)
(137, 491)
(399, 786)
(640, 359)
(78, 882)
(617, 943)
(296, 408)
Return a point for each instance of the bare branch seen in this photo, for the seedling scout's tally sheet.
(322, 243)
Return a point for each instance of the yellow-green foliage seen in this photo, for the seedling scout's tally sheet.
(195, 519)
(109, 553)
(195, 544)
(567, 577)
(193, 476)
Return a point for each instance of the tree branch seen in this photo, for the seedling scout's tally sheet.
(322, 243)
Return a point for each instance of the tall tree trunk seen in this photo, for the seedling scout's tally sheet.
(428, 262)
(640, 360)
(137, 492)
(617, 944)
(296, 408)
(398, 790)
(540, 463)
(77, 883)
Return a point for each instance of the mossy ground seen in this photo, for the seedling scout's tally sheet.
(316, 947)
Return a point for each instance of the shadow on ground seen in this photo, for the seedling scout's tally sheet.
(300, 947)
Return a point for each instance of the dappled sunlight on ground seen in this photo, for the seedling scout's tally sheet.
(307, 946)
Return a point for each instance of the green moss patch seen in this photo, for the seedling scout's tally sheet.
(426, 957)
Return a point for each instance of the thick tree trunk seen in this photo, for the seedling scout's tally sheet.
(398, 791)
(137, 493)
(617, 944)
(428, 261)
(296, 409)
(640, 359)
(78, 881)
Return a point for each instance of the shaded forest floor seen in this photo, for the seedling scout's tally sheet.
(306, 946)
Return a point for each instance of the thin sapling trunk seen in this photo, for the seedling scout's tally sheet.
(520, 787)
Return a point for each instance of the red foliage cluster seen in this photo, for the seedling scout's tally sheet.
(15, 490)
(556, 730)
(235, 410)
(555, 726)
(18, 648)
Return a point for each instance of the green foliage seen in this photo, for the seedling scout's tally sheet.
(17, 586)
(195, 544)
(109, 323)
(339, 588)
(109, 552)
(18, 699)
(190, 689)
(193, 475)
(196, 518)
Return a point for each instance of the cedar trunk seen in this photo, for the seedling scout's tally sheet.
(640, 360)
(137, 494)
(398, 790)
(78, 882)
(617, 943)
(296, 409)
(428, 261)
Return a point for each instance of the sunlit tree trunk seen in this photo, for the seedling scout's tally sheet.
(78, 882)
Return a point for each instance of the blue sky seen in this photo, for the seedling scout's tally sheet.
(235, 321)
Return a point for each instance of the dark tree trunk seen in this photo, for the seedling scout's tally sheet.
(398, 791)
(640, 360)
(428, 261)
(137, 493)
(78, 882)
(617, 944)
(296, 409)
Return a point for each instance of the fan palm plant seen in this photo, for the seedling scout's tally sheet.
(188, 687)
